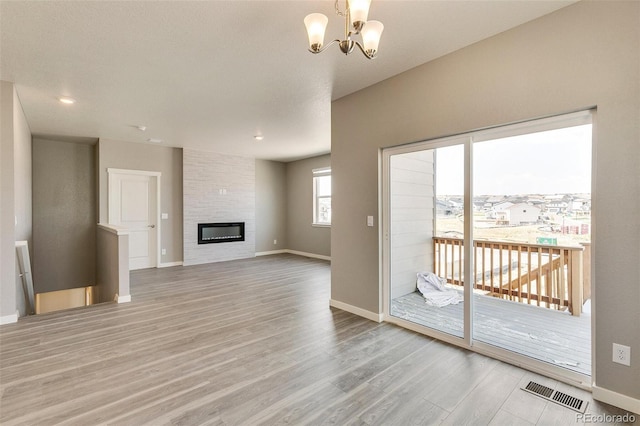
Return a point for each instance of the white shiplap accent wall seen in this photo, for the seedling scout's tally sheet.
(205, 175)
(412, 215)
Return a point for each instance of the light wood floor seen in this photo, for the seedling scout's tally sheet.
(250, 342)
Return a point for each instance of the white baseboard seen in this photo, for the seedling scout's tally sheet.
(124, 299)
(357, 311)
(9, 319)
(617, 399)
(313, 255)
(169, 264)
(268, 253)
(296, 252)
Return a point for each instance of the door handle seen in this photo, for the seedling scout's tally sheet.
(151, 226)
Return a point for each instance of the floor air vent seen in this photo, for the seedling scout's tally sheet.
(558, 397)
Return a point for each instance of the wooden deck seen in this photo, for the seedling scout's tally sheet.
(546, 335)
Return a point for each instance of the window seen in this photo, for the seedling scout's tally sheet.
(322, 196)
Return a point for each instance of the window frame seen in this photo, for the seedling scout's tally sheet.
(319, 173)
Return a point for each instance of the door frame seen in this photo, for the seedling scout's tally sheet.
(385, 243)
(112, 172)
(571, 377)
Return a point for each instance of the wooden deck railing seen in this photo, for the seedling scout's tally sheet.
(547, 276)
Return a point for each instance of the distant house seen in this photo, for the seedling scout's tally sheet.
(580, 204)
(502, 206)
(515, 199)
(493, 200)
(444, 208)
(557, 203)
(497, 212)
(557, 207)
(518, 214)
(536, 202)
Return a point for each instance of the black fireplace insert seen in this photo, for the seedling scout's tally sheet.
(227, 232)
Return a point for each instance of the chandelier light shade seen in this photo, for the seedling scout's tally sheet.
(371, 37)
(358, 9)
(355, 16)
(316, 24)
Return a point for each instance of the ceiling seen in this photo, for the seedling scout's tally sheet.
(209, 75)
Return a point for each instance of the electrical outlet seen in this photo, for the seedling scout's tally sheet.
(622, 354)
(275, 242)
(164, 251)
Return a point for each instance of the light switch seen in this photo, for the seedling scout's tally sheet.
(165, 215)
(369, 220)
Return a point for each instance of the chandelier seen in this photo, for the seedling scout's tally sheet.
(355, 16)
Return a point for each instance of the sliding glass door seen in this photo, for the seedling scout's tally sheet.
(531, 237)
(425, 210)
(486, 241)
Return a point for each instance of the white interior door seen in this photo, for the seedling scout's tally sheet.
(133, 199)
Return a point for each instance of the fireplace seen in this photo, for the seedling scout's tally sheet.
(227, 232)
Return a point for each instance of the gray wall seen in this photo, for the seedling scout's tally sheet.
(23, 197)
(15, 193)
(135, 156)
(23, 175)
(218, 188)
(64, 215)
(583, 55)
(301, 235)
(112, 276)
(271, 202)
(7, 208)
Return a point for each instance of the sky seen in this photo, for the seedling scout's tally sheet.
(551, 162)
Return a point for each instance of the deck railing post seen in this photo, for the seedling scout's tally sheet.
(586, 271)
(436, 256)
(576, 282)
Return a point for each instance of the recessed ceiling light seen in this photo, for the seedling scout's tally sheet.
(154, 140)
(66, 100)
(258, 137)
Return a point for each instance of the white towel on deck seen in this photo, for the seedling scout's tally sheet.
(434, 291)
